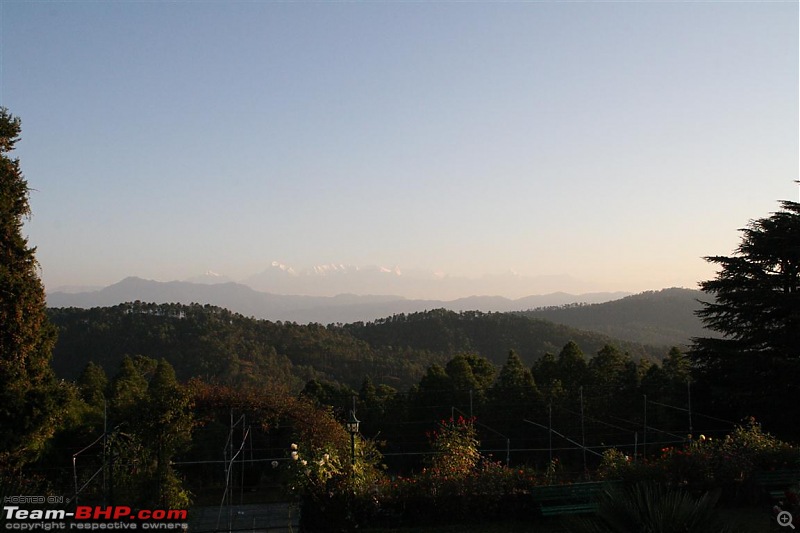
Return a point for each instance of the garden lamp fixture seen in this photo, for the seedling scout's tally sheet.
(352, 423)
(352, 427)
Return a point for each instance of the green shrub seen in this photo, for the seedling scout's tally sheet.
(729, 464)
(652, 508)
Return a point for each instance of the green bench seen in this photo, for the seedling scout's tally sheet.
(572, 499)
(775, 482)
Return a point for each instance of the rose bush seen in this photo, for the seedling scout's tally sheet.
(702, 464)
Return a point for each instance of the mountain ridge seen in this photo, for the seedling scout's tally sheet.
(341, 308)
(665, 317)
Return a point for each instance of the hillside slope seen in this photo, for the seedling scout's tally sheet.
(665, 317)
(222, 346)
(491, 335)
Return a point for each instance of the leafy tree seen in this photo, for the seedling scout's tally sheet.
(91, 405)
(470, 377)
(166, 424)
(755, 367)
(29, 393)
(375, 403)
(93, 383)
(150, 421)
(339, 397)
(128, 390)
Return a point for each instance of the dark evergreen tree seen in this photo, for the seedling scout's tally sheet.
(433, 397)
(367, 394)
(754, 368)
(547, 376)
(93, 385)
(29, 393)
(612, 380)
(677, 366)
(515, 383)
(514, 396)
(572, 367)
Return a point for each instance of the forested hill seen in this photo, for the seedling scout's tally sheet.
(665, 317)
(491, 335)
(219, 345)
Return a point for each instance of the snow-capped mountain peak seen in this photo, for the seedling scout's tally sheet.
(210, 278)
(277, 265)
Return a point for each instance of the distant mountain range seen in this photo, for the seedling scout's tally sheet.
(343, 308)
(332, 279)
(336, 278)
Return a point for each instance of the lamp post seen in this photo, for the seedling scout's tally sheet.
(352, 427)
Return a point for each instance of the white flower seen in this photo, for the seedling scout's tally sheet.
(294, 456)
(294, 446)
(274, 464)
(304, 462)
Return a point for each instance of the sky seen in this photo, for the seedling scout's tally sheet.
(611, 143)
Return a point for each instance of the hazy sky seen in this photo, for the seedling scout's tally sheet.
(613, 142)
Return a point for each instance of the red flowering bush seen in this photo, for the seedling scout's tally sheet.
(748, 449)
(691, 466)
(434, 496)
(455, 448)
(703, 464)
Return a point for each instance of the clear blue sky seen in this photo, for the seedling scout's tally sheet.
(614, 142)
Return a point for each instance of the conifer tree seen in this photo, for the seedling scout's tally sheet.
(515, 382)
(754, 368)
(29, 394)
(572, 367)
(514, 394)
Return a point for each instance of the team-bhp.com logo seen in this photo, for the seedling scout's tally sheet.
(93, 517)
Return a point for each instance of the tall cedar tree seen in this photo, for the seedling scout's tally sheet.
(754, 369)
(28, 390)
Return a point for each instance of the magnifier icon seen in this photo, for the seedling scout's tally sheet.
(785, 519)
